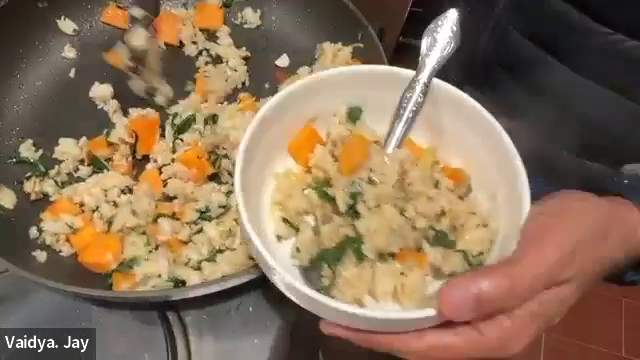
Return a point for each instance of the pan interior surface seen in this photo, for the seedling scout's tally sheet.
(41, 102)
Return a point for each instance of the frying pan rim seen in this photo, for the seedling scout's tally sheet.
(191, 291)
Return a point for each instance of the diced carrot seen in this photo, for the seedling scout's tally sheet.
(208, 16)
(175, 245)
(355, 62)
(168, 26)
(83, 237)
(429, 157)
(102, 254)
(196, 160)
(152, 177)
(153, 230)
(407, 257)
(457, 175)
(123, 166)
(147, 130)
(63, 206)
(86, 219)
(354, 154)
(99, 147)
(303, 144)
(123, 281)
(247, 102)
(114, 58)
(115, 15)
(416, 150)
(202, 86)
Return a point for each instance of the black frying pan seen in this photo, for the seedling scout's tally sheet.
(41, 102)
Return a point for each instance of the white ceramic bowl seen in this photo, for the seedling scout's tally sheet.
(464, 133)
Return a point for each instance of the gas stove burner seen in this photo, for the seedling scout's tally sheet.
(121, 334)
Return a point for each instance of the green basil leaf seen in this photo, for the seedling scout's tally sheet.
(354, 114)
(441, 238)
(37, 168)
(184, 125)
(98, 164)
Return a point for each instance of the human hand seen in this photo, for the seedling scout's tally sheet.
(570, 240)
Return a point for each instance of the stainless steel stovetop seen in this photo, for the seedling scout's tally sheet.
(250, 322)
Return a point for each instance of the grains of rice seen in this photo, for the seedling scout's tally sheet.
(40, 255)
(28, 151)
(383, 234)
(189, 232)
(249, 18)
(67, 26)
(69, 52)
(283, 61)
(8, 198)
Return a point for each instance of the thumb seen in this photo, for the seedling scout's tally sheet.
(491, 289)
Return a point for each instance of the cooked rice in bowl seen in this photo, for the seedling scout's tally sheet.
(382, 231)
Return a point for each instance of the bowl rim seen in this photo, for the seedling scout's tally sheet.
(303, 288)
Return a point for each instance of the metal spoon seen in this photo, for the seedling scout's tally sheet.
(439, 41)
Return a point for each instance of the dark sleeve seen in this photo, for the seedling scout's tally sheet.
(558, 76)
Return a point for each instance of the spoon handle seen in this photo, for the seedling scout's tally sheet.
(409, 107)
(439, 41)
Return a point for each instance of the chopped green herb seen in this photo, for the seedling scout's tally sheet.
(127, 265)
(213, 256)
(177, 283)
(215, 178)
(290, 224)
(297, 249)
(352, 209)
(332, 257)
(440, 238)
(220, 174)
(472, 261)
(436, 184)
(184, 125)
(321, 189)
(205, 214)
(225, 210)
(38, 168)
(211, 120)
(354, 113)
(98, 164)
